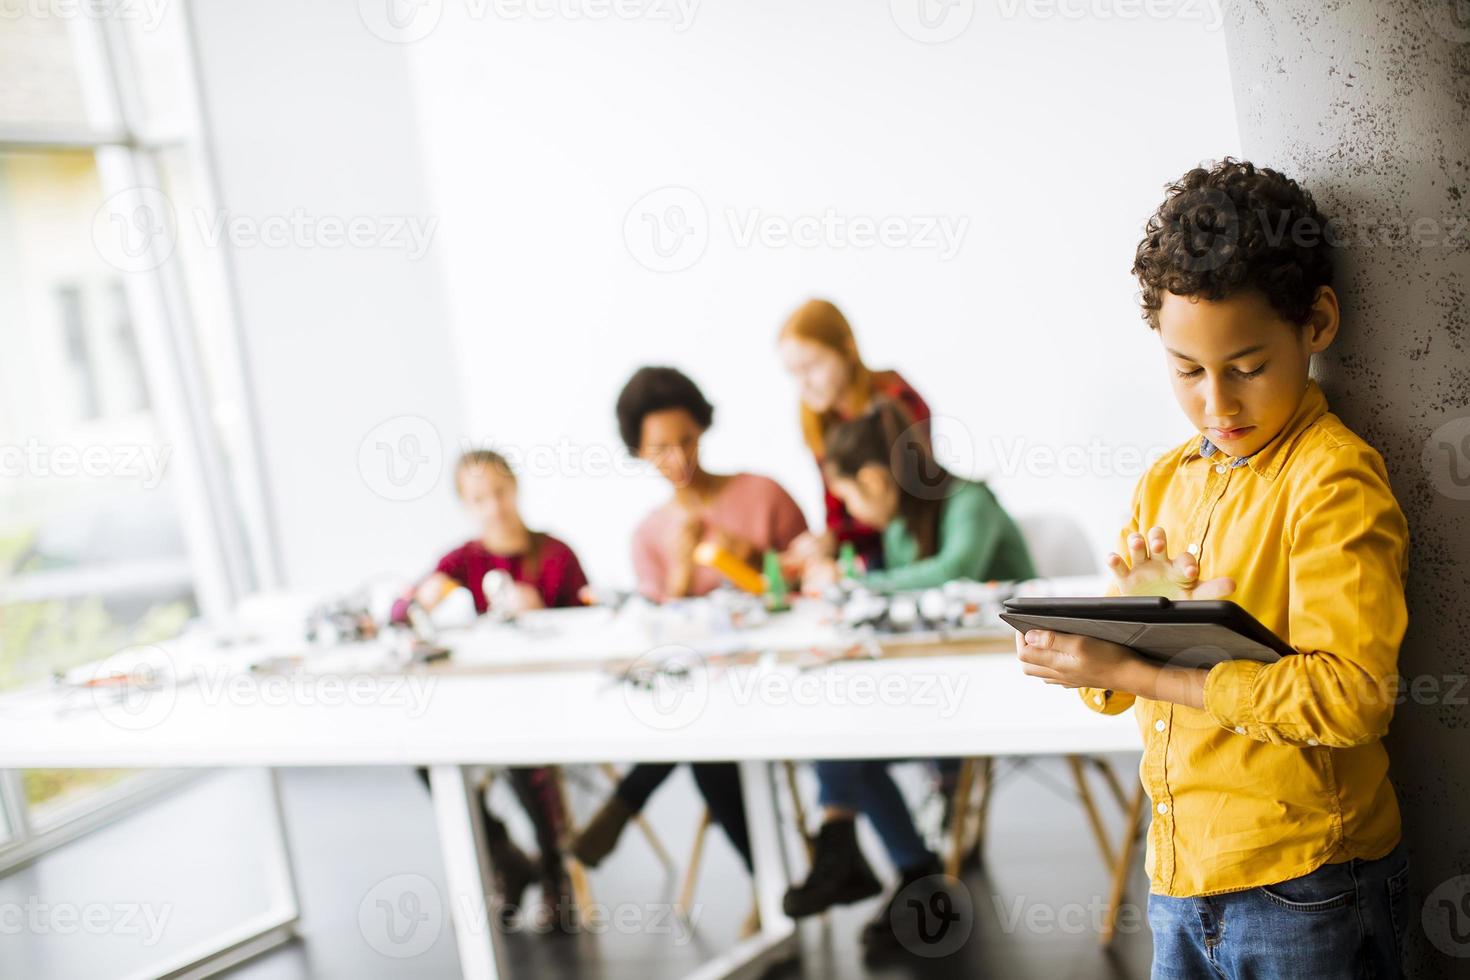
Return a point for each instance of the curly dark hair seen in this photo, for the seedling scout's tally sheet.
(657, 389)
(1231, 229)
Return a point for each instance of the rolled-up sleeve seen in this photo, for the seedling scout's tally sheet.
(1348, 552)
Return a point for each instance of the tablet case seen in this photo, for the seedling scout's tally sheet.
(1184, 633)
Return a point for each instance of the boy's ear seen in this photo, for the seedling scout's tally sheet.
(1323, 320)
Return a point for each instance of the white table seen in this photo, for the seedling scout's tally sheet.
(976, 705)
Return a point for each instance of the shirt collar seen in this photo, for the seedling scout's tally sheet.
(1268, 460)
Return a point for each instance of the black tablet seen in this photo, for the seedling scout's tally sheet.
(1183, 633)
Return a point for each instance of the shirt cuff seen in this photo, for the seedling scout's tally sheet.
(1230, 693)
(1105, 702)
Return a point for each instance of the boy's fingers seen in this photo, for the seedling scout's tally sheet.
(1137, 549)
(1215, 588)
(1039, 638)
(1158, 543)
(1184, 569)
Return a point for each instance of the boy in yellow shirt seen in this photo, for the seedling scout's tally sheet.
(1274, 849)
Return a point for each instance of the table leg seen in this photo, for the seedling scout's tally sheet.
(776, 942)
(466, 870)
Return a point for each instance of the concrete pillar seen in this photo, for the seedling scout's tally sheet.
(1367, 103)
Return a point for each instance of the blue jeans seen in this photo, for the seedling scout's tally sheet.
(1341, 921)
(864, 785)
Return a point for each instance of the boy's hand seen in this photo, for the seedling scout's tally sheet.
(817, 575)
(1079, 661)
(1148, 570)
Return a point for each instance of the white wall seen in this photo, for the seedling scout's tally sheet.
(1052, 136)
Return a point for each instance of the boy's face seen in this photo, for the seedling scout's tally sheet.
(1239, 369)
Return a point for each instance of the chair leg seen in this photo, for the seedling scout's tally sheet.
(1093, 817)
(798, 809)
(691, 873)
(576, 871)
(1131, 833)
(959, 817)
(982, 810)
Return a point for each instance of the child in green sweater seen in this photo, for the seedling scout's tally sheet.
(936, 527)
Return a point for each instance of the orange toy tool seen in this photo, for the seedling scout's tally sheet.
(741, 575)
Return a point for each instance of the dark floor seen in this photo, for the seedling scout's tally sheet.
(364, 835)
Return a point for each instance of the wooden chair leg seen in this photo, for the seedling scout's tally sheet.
(1094, 818)
(1131, 834)
(959, 817)
(576, 871)
(798, 810)
(691, 873)
(982, 809)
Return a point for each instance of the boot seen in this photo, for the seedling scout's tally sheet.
(557, 912)
(596, 840)
(840, 874)
(879, 935)
(513, 870)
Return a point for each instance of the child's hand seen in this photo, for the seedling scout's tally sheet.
(807, 547)
(517, 599)
(817, 574)
(1148, 570)
(1080, 661)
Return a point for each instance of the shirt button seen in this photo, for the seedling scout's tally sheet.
(1311, 741)
(1163, 808)
(1099, 698)
(1240, 729)
(1219, 467)
(1159, 725)
(1193, 549)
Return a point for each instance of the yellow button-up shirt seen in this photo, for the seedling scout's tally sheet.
(1283, 770)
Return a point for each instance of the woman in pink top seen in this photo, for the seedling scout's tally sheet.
(661, 416)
